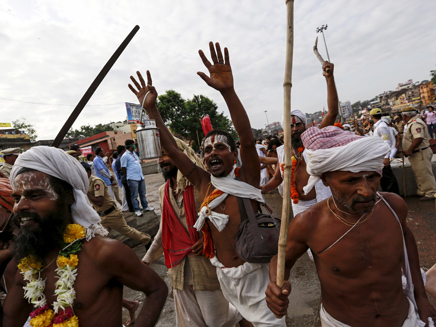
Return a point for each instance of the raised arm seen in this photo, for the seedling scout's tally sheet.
(184, 164)
(221, 79)
(332, 95)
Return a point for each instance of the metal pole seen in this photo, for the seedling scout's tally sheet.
(266, 113)
(328, 57)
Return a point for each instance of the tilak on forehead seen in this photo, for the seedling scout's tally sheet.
(34, 181)
(215, 139)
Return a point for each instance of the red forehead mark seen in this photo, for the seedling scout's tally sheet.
(213, 139)
(293, 120)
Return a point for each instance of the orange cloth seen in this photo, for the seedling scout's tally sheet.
(6, 199)
(207, 237)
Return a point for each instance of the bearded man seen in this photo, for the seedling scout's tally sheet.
(242, 283)
(302, 200)
(358, 237)
(67, 271)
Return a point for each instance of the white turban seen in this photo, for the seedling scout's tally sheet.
(333, 149)
(57, 163)
(299, 114)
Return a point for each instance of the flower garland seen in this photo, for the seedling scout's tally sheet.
(62, 314)
(295, 163)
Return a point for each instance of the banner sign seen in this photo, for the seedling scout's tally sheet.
(134, 113)
(86, 150)
(5, 125)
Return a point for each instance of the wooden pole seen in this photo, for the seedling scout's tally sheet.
(88, 94)
(404, 174)
(287, 85)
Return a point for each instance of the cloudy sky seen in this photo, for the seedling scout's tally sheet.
(52, 50)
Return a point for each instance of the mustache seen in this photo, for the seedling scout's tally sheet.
(360, 198)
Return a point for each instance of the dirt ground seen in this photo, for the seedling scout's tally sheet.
(305, 298)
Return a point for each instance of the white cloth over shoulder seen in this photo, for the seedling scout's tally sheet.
(56, 163)
(228, 185)
(364, 154)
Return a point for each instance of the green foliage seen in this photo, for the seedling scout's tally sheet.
(22, 125)
(433, 76)
(360, 105)
(184, 116)
(88, 130)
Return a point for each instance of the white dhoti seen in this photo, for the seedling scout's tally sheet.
(245, 287)
(202, 308)
(412, 319)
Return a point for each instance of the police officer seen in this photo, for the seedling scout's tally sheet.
(417, 147)
(111, 216)
(9, 155)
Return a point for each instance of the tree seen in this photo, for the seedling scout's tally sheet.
(88, 130)
(22, 125)
(433, 76)
(170, 105)
(184, 116)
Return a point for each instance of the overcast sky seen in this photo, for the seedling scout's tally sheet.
(52, 50)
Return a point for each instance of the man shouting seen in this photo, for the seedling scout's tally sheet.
(243, 284)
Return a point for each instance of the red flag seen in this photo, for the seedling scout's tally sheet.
(323, 111)
(206, 124)
(313, 123)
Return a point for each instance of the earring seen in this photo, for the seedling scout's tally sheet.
(234, 161)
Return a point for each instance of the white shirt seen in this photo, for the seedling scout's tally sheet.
(381, 129)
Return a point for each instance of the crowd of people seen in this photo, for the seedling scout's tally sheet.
(61, 269)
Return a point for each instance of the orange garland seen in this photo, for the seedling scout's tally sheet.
(338, 124)
(295, 164)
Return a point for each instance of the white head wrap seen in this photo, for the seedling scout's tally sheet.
(299, 114)
(57, 163)
(333, 149)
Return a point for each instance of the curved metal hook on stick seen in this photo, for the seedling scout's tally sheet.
(320, 58)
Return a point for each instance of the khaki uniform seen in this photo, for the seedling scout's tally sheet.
(421, 158)
(113, 219)
(400, 127)
(6, 169)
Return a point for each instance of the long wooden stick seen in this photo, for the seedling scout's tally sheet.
(287, 85)
(88, 94)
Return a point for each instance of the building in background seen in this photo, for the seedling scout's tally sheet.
(108, 141)
(345, 109)
(427, 93)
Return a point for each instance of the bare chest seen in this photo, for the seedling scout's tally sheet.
(373, 247)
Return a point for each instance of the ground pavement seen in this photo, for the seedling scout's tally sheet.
(305, 297)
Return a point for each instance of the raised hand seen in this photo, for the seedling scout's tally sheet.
(327, 69)
(142, 90)
(221, 77)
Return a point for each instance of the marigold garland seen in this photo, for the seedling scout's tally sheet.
(29, 263)
(338, 124)
(67, 261)
(294, 164)
(73, 232)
